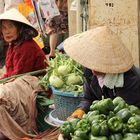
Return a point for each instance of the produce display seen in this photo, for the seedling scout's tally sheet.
(107, 120)
(64, 74)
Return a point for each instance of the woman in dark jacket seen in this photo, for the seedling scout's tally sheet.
(130, 91)
(109, 67)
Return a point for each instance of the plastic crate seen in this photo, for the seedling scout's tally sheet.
(65, 103)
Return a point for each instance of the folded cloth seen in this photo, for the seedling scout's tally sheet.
(114, 80)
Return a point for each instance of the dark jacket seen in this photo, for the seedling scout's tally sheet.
(130, 92)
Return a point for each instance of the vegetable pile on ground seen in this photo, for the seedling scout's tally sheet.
(107, 120)
(64, 74)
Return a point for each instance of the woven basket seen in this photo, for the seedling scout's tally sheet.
(65, 103)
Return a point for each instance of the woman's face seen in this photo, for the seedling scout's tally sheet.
(9, 31)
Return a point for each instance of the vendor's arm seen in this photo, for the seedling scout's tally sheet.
(90, 93)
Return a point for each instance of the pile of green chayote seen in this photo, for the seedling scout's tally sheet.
(64, 74)
(107, 120)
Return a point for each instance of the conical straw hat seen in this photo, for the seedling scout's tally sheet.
(14, 15)
(99, 49)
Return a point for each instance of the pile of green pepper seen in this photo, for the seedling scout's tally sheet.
(107, 120)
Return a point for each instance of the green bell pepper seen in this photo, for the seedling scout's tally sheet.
(93, 103)
(115, 124)
(80, 134)
(99, 128)
(104, 106)
(119, 104)
(124, 114)
(125, 128)
(100, 117)
(131, 136)
(110, 115)
(134, 109)
(76, 138)
(90, 116)
(117, 100)
(74, 122)
(66, 129)
(117, 136)
(134, 124)
(91, 137)
(83, 125)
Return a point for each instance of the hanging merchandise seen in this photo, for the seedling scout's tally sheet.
(38, 15)
(29, 3)
(48, 9)
(27, 10)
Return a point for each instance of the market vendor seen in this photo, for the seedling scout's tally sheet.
(109, 67)
(23, 54)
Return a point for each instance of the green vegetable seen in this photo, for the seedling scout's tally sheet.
(78, 134)
(64, 69)
(66, 129)
(91, 115)
(74, 122)
(99, 128)
(76, 138)
(44, 101)
(117, 100)
(117, 136)
(56, 81)
(95, 101)
(59, 70)
(125, 128)
(100, 117)
(131, 136)
(94, 105)
(91, 137)
(124, 114)
(83, 125)
(104, 106)
(134, 124)
(119, 104)
(115, 124)
(134, 110)
(73, 78)
(111, 114)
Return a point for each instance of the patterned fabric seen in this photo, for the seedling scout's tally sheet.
(58, 24)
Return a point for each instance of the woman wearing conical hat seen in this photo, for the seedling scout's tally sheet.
(23, 54)
(109, 67)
